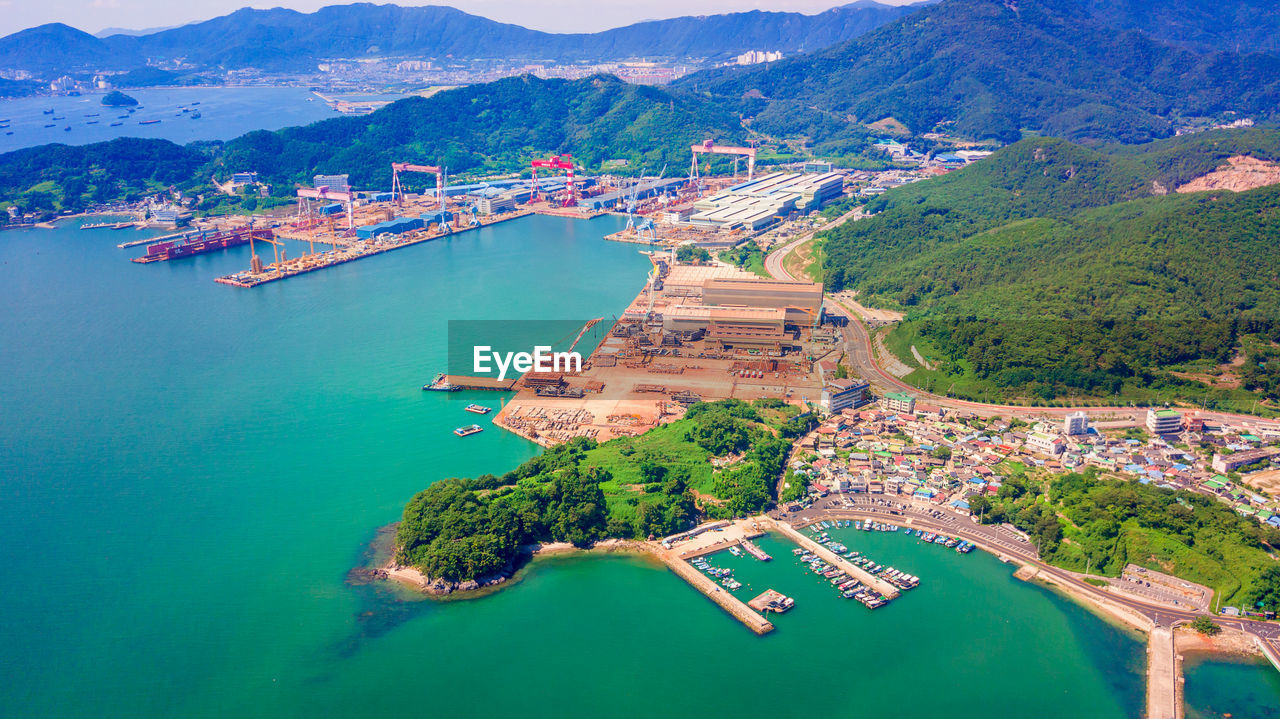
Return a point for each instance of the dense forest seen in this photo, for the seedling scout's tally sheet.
(994, 69)
(1052, 269)
(581, 492)
(1087, 522)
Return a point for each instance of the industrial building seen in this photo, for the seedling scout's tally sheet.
(643, 191)
(759, 203)
(397, 226)
(802, 301)
(730, 327)
(495, 205)
(337, 183)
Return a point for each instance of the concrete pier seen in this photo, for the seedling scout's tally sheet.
(716, 593)
(844, 565)
(1163, 676)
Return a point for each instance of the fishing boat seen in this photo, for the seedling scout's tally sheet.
(478, 409)
(116, 124)
(440, 383)
(468, 431)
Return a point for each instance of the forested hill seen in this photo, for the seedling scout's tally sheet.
(1051, 268)
(992, 69)
(496, 127)
(288, 40)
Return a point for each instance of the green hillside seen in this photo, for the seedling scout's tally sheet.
(582, 492)
(1051, 270)
(995, 69)
(495, 127)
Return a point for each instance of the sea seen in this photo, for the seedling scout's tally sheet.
(225, 113)
(189, 472)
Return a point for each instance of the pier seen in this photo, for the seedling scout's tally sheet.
(727, 601)
(844, 565)
(1163, 676)
(482, 383)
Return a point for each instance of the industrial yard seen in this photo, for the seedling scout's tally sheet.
(694, 333)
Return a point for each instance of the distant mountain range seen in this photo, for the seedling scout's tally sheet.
(996, 68)
(287, 40)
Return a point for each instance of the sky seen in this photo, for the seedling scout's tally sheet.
(550, 15)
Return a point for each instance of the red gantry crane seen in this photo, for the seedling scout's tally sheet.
(305, 194)
(710, 148)
(556, 162)
(397, 190)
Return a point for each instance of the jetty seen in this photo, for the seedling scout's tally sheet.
(835, 560)
(483, 383)
(727, 601)
(1163, 676)
(676, 550)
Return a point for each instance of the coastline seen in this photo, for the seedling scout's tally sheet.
(414, 579)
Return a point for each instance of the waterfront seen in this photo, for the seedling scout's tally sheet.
(225, 113)
(189, 472)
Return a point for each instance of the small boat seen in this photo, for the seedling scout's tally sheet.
(197, 102)
(116, 124)
(55, 117)
(468, 431)
(440, 384)
(67, 128)
(9, 132)
(147, 122)
(93, 114)
(478, 409)
(195, 115)
(92, 122)
(48, 112)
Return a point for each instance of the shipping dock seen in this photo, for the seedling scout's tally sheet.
(201, 242)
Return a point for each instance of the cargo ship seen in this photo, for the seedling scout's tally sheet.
(439, 384)
(468, 431)
(200, 242)
(478, 409)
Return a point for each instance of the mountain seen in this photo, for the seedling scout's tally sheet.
(1239, 26)
(495, 127)
(1051, 268)
(288, 40)
(994, 68)
(56, 48)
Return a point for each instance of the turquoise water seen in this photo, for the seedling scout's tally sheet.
(1219, 689)
(189, 471)
(226, 112)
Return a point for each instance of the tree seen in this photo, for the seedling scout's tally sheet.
(1206, 626)
(1265, 592)
(942, 452)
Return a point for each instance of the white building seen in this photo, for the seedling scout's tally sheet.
(755, 57)
(1075, 423)
(1045, 443)
(899, 402)
(1164, 421)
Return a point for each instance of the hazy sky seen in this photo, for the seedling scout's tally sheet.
(551, 15)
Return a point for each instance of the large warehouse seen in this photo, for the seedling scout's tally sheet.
(758, 203)
(802, 301)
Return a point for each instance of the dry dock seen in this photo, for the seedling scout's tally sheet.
(844, 565)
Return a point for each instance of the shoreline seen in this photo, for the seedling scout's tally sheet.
(414, 579)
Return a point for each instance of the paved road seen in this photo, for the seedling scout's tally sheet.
(897, 510)
(857, 341)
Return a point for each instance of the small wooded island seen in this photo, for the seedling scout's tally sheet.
(461, 533)
(115, 98)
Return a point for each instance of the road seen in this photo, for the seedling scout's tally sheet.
(857, 341)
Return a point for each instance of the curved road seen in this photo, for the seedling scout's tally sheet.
(857, 342)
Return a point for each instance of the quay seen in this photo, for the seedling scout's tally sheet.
(482, 383)
(346, 252)
(149, 240)
(835, 560)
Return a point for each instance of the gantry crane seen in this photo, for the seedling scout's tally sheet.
(397, 190)
(305, 194)
(556, 162)
(710, 148)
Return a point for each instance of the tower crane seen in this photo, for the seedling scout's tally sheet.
(397, 189)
